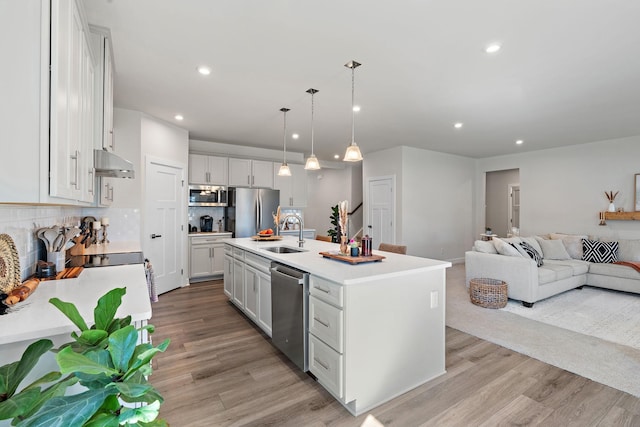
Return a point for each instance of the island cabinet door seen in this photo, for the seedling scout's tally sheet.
(264, 302)
(228, 276)
(251, 284)
(238, 282)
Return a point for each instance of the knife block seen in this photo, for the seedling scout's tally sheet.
(78, 248)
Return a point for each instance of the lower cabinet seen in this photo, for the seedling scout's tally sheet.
(247, 283)
(206, 257)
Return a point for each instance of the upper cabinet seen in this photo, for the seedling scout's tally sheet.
(293, 189)
(47, 104)
(101, 42)
(208, 170)
(250, 173)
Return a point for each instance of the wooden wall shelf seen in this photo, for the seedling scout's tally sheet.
(622, 216)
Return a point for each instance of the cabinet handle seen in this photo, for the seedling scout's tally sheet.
(290, 201)
(326, 291)
(253, 179)
(326, 325)
(110, 192)
(319, 362)
(208, 178)
(92, 181)
(248, 180)
(75, 175)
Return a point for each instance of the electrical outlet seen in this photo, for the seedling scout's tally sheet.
(434, 299)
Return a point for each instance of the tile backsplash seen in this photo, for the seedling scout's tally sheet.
(20, 222)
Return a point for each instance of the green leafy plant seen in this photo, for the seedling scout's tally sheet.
(105, 359)
(335, 232)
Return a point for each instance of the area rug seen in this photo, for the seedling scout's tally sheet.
(602, 313)
(600, 360)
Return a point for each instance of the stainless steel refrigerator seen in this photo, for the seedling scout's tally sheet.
(250, 210)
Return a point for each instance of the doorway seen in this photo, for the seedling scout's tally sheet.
(162, 238)
(381, 210)
(502, 210)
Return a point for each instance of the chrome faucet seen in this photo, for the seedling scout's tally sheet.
(301, 237)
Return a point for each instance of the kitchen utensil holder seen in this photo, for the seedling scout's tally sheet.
(58, 258)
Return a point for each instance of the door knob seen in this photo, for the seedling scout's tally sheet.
(154, 236)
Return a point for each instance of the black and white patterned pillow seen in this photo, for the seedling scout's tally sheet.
(602, 252)
(532, 252)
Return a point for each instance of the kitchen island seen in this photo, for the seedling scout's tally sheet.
(375, 330)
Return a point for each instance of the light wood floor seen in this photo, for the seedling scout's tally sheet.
(221, 370)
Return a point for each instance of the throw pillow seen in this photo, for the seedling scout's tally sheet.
(628, 249)
(532, 253)
(572, 242)
(485, 246)
(601, 252)
(505, 248)
(533, 242)
(553, 249)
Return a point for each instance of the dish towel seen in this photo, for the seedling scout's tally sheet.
(151, 280)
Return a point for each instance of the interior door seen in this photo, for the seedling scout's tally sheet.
(162, 241)
(514, 207)
(380, 210)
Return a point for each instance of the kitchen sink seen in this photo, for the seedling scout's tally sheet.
(283, 249)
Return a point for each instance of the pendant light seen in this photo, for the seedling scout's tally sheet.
(284, 169)
(312, 162)
(353, 152)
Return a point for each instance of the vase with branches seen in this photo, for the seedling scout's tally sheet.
(611, 197)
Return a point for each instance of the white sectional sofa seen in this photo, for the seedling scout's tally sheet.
(561, 270)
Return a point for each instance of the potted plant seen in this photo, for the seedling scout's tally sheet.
(104, 358)
(335, 232)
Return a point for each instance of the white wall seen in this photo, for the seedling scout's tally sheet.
(326, 187)
(562, 189)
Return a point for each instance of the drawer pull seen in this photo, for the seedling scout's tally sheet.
(326, 325)
(319, 362)
(326, 291)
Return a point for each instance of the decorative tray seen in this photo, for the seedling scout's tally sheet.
(352, 259)
(266, 238)
(9, 264)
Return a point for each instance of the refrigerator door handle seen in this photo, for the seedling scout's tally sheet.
(257, 215)
(260, 211)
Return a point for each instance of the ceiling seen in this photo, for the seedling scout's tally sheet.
(568, 71)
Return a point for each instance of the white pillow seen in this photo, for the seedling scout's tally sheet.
(572, 243)
(553, 249)
(533, 242)
(485, 246)
(505, 248)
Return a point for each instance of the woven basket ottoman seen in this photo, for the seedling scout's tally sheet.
(488, 293)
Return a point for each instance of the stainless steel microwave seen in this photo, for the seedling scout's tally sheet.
(207, 195)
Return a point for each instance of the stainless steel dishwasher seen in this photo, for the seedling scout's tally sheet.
(289, 307)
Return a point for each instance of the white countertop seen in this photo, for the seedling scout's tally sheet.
(36, 318)
(394, 265)
(113, 248)
(210, 233)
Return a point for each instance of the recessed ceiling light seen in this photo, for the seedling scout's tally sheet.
(457, 125)
(492, 48)
(295, 136)
(178, 117)
(336, 156)
(519, 142)
(204, 70)
(356, 108)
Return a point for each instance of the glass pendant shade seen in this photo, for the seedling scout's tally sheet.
(353, 153)
(284, 169)
(312, 163)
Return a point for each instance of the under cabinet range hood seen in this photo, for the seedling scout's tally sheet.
(110, 165)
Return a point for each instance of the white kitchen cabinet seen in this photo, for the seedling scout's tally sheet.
(228, 272)
(250, 173)
(307, 233)
(247, 283)
(47, 104)
(101, 42)
(71, 105)
(293, 189)
(211, 170)
(206, 256)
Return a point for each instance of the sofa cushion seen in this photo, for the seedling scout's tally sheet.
(505, 248)
(599, 252)
(546, 275)
(485, 246)
(563, 271)
(628, 249)
(614, 270)
(572, 242)
(531, 252)
(553, 249)
(578, 266)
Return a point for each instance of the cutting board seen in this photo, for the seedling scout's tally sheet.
(266, 238)
(352, 259)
